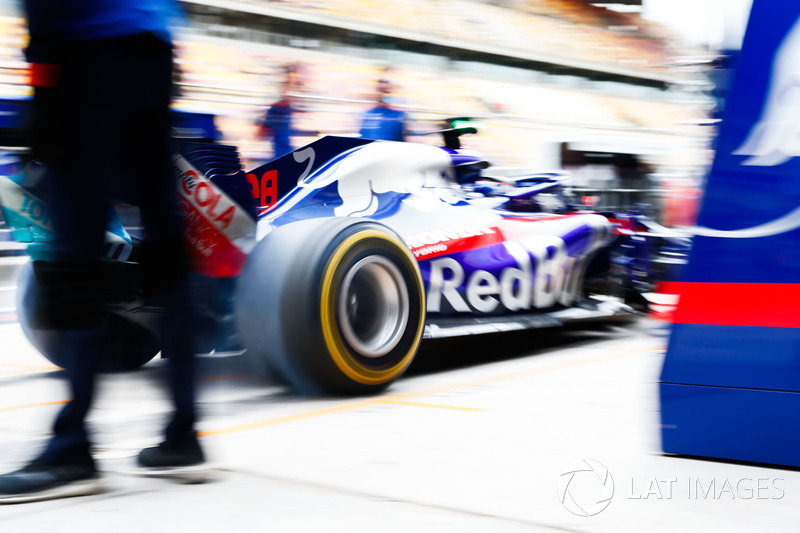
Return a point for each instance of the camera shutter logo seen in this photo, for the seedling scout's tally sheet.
(587, 489)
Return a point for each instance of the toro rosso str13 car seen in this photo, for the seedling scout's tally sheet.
(331, 264)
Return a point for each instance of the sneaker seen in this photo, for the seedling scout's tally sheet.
(184, 462)
(37, 482)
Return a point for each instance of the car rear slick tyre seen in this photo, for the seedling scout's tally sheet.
(331, 306)
(132, 345)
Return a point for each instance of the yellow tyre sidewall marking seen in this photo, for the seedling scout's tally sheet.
(340, 355)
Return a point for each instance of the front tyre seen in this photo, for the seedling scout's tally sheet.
(332, 306)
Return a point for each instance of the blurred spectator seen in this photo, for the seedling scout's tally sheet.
(278, 123)
(384, 122)
(102, 75)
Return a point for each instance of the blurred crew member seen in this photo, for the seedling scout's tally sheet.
(102, 73)
(278, 122)
(384, 122)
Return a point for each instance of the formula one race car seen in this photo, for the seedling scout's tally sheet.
(331, 264)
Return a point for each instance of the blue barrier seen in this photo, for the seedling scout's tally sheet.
(730, 385)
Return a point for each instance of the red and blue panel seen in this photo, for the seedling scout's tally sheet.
(730, 385)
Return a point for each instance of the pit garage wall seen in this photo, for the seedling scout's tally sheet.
(730, 385)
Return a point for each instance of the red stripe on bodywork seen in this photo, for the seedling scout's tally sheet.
(738, 304)
(436, 244)
(451, 246)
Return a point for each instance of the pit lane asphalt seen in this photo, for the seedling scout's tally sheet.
(474, 438)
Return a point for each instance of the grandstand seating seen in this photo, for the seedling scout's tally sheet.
(564, 28)
(237, 80)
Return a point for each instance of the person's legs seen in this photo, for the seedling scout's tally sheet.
(115, 138)
(72, 286)
(70, 443)
(65, 467)
(177, 345)
(165, 263)
(180, 453)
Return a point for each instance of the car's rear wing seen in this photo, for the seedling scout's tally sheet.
(272, 181)
(217, 205)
